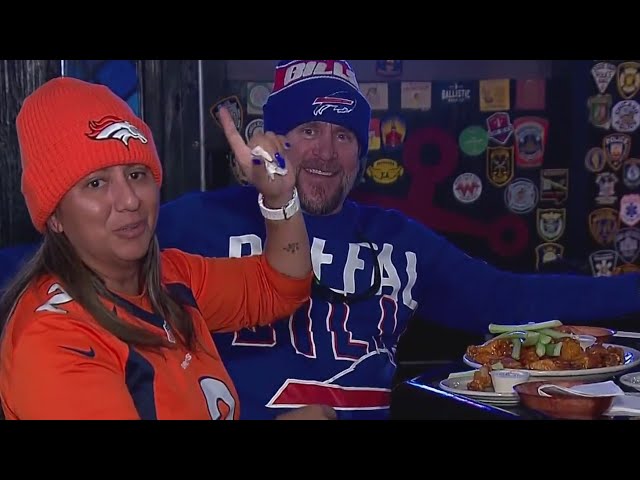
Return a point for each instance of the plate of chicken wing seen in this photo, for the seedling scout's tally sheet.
(477, 385)
(550, 349)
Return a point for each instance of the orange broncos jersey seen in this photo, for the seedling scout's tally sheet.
(57, 362)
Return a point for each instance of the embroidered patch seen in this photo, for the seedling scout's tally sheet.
(548, 252)
(630, 209)
(554, 185)
(467, 187)
(499, 165)
(530, 140)
(603, 225)
(603, 262)
(551, 223)
(521, 196)
(385, 171)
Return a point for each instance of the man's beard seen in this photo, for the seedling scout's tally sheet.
(317, 200)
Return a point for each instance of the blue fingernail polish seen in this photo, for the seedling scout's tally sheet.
(280, 160)
(257, 161)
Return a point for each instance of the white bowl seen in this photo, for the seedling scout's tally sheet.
(586, 341)
(504, 380)
(631, 379)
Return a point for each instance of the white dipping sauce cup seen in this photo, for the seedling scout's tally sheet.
(504, 380)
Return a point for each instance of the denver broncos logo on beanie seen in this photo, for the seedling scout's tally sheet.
(114, 127)
(317, 90)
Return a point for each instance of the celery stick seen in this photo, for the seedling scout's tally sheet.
(554, 333)
(553, 349)
(496, 328)
(531, 339)
(544, 339)
(510, 335)
(517, 345)
(540, 349)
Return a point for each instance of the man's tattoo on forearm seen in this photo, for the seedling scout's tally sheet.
(292, 247)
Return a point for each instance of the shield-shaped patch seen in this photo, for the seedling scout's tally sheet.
(628, 79)
(628, 244)
(603, 262)
(600, 111)
(232, 104)
(548, 252)
(631, 172)
(603, 225)
(499, 127)
(531, 140)
(499, 165)
(616, 147)
(630, 209)
(551, 223)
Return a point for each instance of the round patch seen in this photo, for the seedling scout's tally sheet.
(467, 187)
(521, 196)
(473, 140)
(253, 127)
(625, 116)
(258, 95)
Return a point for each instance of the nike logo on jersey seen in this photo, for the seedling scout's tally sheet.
(87, 353)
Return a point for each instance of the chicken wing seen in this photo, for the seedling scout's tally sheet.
(491, 352)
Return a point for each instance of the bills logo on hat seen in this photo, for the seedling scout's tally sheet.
(336, 101)
(111, 127)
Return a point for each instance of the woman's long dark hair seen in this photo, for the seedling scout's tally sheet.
(57, 257)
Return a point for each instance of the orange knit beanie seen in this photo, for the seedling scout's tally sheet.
(68, 129)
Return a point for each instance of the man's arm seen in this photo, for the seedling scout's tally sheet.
(468, 294)
(287, 246)
(287, 249)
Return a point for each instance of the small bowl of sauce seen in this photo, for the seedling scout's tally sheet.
(504, 380)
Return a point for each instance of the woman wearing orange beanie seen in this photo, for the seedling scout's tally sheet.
(101, 324)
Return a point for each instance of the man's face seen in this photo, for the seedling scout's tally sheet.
(325, 159)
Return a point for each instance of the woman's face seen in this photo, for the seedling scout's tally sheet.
(110, 216)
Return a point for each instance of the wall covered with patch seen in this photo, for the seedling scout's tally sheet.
(476, 161)
(609, 164)
(530, 165)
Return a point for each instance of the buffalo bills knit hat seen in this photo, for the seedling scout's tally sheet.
(317, 90)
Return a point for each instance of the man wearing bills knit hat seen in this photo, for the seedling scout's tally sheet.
(318, 105)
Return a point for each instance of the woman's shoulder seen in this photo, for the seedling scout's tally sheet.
(45, 304)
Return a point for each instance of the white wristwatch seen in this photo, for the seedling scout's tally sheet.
(283, 213)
